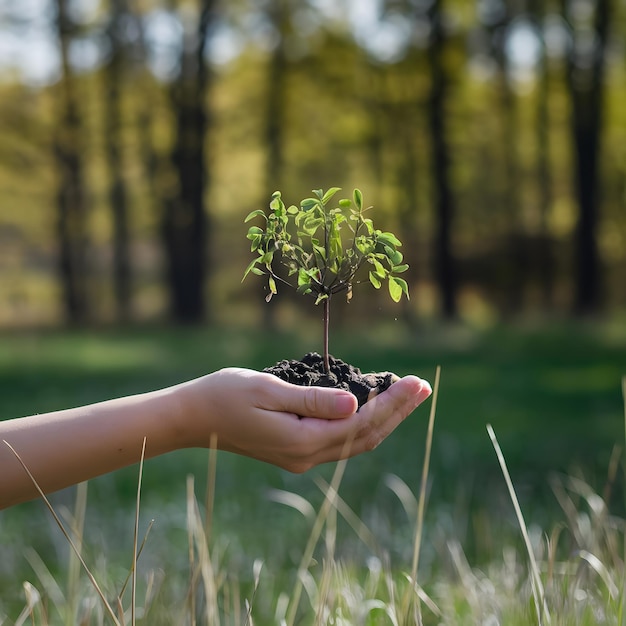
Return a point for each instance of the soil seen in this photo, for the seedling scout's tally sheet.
(309, 371)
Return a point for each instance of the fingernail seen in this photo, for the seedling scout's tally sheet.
(425, 389)
(345, 404)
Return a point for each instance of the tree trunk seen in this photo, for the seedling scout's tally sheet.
(71, 196)
(275, 105)
(517, 262)
(406, 182)
(151, 161)
(546, 268)
(185, 222)
(585, 78)
(445, 270)
(113, 76)
(278, 12)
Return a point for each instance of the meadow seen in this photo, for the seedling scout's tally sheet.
(232, 541)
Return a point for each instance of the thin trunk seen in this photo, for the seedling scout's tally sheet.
(546, 269)
(445, 270)
(145, 115)
(275, 121)
(275, 106)
(326, 333)
(118, 197)
(517, 263)
(373, 92)
(408, 203)
(186, 224)
(71, 197)
(585, 74)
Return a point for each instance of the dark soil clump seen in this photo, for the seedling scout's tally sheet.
(310, 372)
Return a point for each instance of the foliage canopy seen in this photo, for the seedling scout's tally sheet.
(308, 241)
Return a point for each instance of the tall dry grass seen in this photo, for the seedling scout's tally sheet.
(571, 574)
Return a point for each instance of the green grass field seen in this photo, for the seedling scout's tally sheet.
(552, 394)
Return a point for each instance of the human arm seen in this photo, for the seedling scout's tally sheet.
(243, 411)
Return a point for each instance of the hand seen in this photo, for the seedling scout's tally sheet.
(296, 428)
(238, 410)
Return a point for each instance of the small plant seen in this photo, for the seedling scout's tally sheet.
(308, 241)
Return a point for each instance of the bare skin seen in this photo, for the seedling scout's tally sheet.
(243, 411)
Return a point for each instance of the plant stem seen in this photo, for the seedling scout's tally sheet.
(326, 326)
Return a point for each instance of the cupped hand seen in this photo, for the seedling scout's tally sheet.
(296, 428)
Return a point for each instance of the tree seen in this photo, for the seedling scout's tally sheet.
(185, 224)
(278, 12)
(71, 194)
(544, 168)
(118, 197)
(517, 264)
(444, 202)
(274, 131)
(320, 261)
(585, 68)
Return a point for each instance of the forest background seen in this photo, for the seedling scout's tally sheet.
(136, 135)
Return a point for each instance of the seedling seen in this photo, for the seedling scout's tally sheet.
(321, 258)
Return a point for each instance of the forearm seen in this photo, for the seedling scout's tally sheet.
(73, 445)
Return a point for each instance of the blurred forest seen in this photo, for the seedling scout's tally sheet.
(135, 135)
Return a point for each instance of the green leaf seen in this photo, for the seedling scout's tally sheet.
(311, 225)
(321, 251)
(329, 194)
(272, 284)
(389, 239)
(398, 269)
(321, 297)
(358, 199)
(254, 214)
(334, 243)
(395, 256)
(293, 210)
(256, 242)
(345, 203)
(380, 270)
(309, 203)
(251, 268)
(253, 231)
(364, 245)
(303, 277)
(375, 280)
(338, 219)
(277, 204)
(397, 287)
(395, 291)
(267, 258)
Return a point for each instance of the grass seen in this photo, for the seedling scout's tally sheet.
(551, 394)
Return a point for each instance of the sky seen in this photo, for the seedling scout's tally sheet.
(27, 46)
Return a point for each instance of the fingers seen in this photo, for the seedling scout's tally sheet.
(366, 429)
(263, 414)
(319, 402)
(386, 411)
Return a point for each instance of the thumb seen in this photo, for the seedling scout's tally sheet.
(321, 402)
